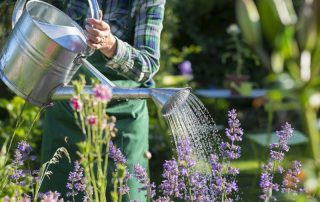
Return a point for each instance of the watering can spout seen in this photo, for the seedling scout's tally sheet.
(167, 99)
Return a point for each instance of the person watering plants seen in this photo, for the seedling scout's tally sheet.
(127, 41)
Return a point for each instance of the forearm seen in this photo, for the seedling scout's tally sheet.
(140, 61)
(136, 64)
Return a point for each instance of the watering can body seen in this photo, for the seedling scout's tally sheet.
(37, 58)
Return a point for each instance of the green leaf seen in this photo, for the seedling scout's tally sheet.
(249, 21)
(264, 139)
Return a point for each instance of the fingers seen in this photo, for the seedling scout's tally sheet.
(98, 24)
(96, 42)
(100, 15)
(93, 38)
(96, 32)
(95, 46)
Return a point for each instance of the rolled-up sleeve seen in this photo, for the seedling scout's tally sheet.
(140, 61)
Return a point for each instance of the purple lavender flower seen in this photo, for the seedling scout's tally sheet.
(277, 153)
(172, 184)
(234, 132)
(198, 183)
(51, 197)
(124, 189)
(231, 187)
(230, 151)
(216, 166)
(185, 155)
(163, 199)
(143, 178)
(118, 158)
(267, 185)
(291, 179)
(18, 174)
(24, 147)
(277, 149)
(21, 153)
(116, 154)
(223, 181)
(76, 181)
(185, 68)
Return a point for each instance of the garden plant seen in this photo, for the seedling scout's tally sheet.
(288, 46)
(287, 41)
(182, 179)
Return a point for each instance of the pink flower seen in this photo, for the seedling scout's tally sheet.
(102, 93)
(76, 103)
(91, 120)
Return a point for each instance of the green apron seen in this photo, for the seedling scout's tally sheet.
(132, 122)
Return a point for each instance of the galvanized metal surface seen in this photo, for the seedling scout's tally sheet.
(46, 49)
(35, 59)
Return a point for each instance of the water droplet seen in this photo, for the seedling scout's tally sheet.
(193, 121)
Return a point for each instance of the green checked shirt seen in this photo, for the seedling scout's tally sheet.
(137, 25)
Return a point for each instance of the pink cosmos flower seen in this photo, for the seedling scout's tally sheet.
(91, 120)
(102, 93)
(76, 103)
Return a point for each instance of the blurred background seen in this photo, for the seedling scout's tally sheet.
(206, 45)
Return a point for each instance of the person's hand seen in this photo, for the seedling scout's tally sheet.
(100, 37)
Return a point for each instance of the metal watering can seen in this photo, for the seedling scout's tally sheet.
(45, 50)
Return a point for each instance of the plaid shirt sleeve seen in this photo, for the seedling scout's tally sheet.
(141, 61)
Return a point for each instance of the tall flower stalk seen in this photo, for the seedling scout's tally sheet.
(98, 129)
(224, 184)
(277, 153)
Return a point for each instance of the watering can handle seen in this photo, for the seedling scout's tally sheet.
(19, 7)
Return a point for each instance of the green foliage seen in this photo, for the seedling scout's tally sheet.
(17, 110)
(292, 53)
(204, 24)
(237, 50)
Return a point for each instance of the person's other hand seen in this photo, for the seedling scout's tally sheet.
(100, 37)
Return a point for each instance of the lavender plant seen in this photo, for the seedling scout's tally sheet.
(121, 175)
(224, 184)
(21, 176)
(24, 181)
(183, 180)
(144, 180)
(291, 179)
(77, 183)
(51, 197)
(277, 154)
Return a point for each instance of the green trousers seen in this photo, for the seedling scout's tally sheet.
(60, 130)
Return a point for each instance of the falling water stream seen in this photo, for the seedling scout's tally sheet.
(190, 120)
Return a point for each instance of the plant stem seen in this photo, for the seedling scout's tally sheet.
(239, 58)
(310, 118)
(189, 188)
(264, 57)
(120, 185)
